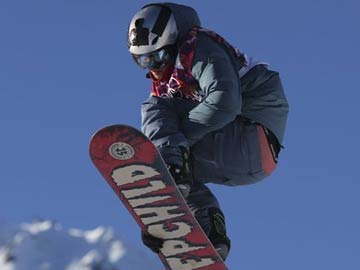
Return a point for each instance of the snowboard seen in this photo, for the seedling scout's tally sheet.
(135, 170)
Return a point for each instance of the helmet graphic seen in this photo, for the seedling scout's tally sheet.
(152, 28)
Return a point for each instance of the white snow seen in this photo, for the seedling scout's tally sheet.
(37, 227)
(45, 245)
(116, 251)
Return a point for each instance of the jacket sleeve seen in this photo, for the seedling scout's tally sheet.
(218, 79)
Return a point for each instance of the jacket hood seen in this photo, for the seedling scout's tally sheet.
(185, 17)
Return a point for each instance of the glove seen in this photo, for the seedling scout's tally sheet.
(182, 175)
(152, 242)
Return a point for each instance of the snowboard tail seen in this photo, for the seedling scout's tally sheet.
(134, 169)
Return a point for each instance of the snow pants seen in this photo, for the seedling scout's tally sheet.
(237, 154)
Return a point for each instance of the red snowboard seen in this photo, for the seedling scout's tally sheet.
(134, 169)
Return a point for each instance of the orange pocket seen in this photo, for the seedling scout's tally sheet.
(268, 158)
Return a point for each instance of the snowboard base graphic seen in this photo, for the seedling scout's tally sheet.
(134, 169)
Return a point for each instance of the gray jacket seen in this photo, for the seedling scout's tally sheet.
(253, 91)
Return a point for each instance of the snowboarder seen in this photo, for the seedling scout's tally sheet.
(215, 114)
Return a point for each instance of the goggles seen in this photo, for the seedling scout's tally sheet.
(153, 60)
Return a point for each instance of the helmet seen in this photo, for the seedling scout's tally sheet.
(151, 29)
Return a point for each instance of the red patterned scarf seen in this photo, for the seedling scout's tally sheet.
(178, 81)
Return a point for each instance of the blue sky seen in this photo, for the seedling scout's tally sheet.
(65, 72)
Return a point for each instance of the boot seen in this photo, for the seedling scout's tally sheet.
(217, 234)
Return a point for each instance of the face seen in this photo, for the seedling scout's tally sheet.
(158, 73)
(156, 62)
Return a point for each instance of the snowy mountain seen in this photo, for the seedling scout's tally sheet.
(45, 245)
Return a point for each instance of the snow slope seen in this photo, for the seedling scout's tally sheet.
(45, 245)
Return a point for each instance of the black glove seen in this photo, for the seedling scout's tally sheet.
(180, 175)
(152, 242)
(183, 175)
